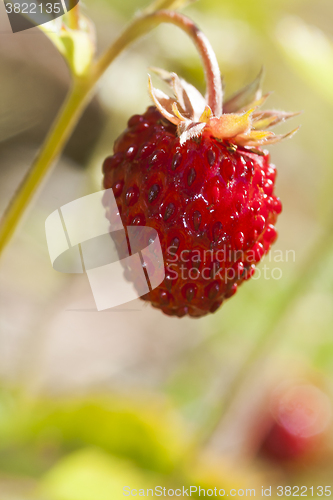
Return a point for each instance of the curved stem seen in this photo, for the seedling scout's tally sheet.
(144, 24)
(80, 95)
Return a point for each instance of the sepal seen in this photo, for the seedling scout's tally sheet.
(245, 97)
(242, 123)
(77, 46)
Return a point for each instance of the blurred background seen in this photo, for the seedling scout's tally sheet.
(91, 402)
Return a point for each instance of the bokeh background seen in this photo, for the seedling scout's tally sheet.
(91, 402)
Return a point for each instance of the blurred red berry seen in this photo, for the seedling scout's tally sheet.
(300, 418)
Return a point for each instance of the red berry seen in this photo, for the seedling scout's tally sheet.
(199, 178)
(208, 196)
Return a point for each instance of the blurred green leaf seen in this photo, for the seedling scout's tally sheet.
(209, 472)
(90, 474)
(147, 432)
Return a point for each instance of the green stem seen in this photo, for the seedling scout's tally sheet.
(79, 97)
(144, 24)
(52, 147)
(270, 333)
(73, 16)
(268, 338)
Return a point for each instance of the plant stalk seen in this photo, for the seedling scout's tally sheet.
(53, 145)
(82, 92)
(270, 333)
(143, 25)
(73, 16)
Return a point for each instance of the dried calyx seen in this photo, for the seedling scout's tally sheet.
(241, 122)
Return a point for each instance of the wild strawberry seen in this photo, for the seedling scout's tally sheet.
(299, 420)
(202, 181)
